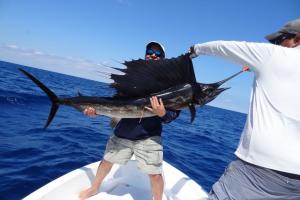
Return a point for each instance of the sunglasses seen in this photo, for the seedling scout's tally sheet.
(282, 37)
(157, 53)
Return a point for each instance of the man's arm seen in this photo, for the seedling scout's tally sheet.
(244, 53)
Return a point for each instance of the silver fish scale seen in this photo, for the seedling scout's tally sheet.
(123, 111)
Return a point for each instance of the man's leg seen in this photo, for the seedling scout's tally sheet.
(117, 151)
(157, 186)
(103, 169)
(242, 180)
(149, 156)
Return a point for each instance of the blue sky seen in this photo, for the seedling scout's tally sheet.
(73, 36)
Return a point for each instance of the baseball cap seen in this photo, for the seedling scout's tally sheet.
(161, 47)
(292, 27)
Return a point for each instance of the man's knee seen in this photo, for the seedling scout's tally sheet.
(155, 177)
(106, 164)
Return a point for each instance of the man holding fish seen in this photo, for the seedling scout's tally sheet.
(137, 136)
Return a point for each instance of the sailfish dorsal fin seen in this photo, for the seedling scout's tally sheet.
(144, 77)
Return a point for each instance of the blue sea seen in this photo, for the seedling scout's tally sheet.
(30, 156)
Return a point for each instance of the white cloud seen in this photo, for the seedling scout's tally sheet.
(66, 65)
(38, 53)
(12, 46)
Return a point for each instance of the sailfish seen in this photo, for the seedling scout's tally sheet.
(172, 80)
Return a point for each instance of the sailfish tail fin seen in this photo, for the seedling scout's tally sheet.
(52, 96)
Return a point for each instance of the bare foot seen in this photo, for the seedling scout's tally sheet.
(88, 193)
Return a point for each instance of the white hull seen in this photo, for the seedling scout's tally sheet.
(122, 183)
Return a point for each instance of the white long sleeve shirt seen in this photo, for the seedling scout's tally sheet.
(271, 136)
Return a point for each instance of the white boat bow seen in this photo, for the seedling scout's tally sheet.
(124, 182)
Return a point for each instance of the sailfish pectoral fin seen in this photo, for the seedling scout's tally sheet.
(192, 111)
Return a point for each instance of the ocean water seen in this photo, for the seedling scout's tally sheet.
(30, 156)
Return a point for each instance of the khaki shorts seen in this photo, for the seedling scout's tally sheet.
(148, 153)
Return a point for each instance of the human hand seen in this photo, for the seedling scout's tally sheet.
(157, 106)
(90, 111)
(245, 68)
(192, 52)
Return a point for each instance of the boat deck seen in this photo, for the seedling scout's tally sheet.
(122, 183)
